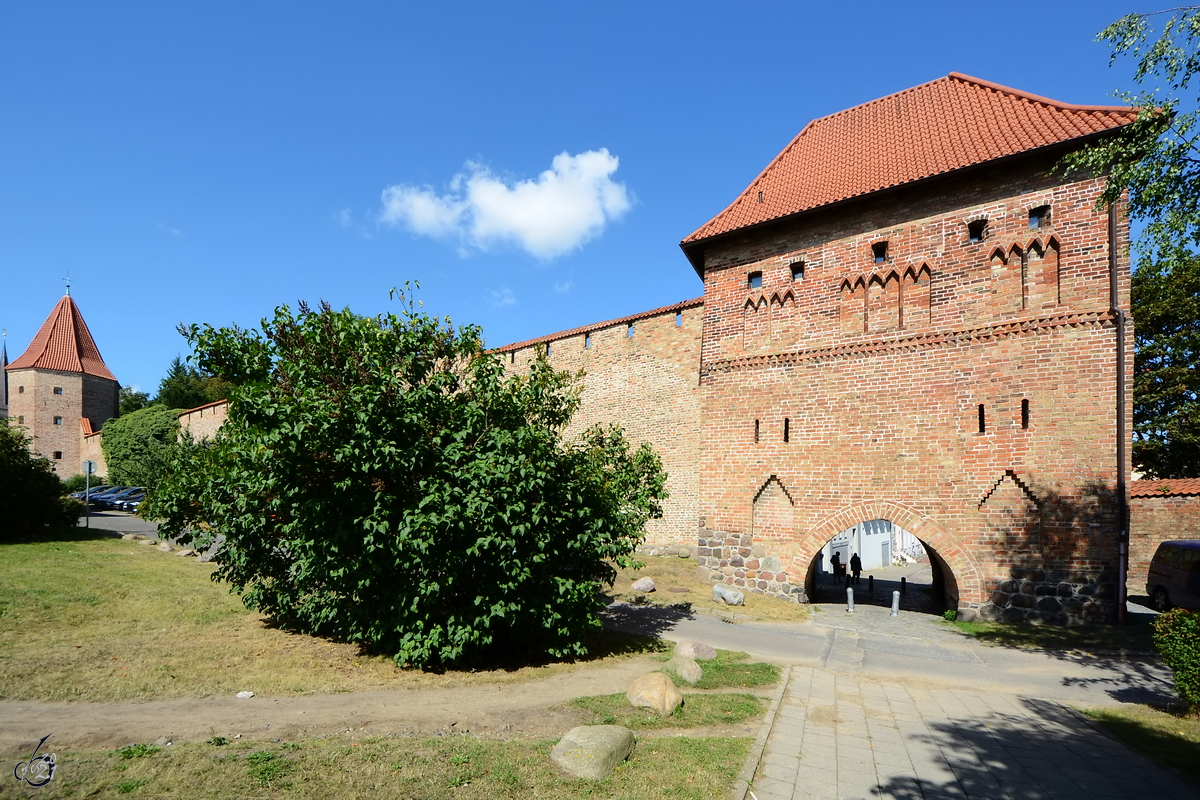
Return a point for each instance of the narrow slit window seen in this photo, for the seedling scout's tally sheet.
(756, 431)
(797, 271)
(512, 356)
(629, 331)
(587, 340)
(547, 348)
(1025, 414)
(58, 420)
(678, 319)
(20, 390)
(754, 280)
(58, 390)
(879, 249)
(1039, 217)
(787, 433)
(982, 420)
(58, 455)
(976, 230)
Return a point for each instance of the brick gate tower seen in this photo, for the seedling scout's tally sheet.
(60, 388)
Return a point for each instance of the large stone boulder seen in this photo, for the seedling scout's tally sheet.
(684, 668)
(643, 585)
(697, 650)
(655, 690)
(592, 751)
(728, 595)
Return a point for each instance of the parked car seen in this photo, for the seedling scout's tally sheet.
(1174, 576)
(130, 502)
(97, 498)
(111, 500)
(95, 490)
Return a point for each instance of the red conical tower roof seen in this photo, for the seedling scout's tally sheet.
(64, 343)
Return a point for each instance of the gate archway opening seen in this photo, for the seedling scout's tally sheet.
(887, 552)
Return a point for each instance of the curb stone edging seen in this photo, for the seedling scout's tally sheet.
(742, 787)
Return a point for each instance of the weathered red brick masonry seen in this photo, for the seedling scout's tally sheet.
(910, 315)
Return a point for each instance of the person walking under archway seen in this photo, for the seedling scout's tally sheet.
(836, 564)
(856, 568)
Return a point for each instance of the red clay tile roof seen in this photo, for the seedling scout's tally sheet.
(1166, 487)
(595, 326)
(947, 124)
(64, 343)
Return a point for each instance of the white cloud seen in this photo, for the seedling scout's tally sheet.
(170, 230)
(568, 205)
(503, 297)
(562, 288)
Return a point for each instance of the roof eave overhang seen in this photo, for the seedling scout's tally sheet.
(694, 251)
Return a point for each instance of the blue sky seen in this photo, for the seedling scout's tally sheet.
(534, 166)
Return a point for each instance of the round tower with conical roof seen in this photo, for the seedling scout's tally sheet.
(60, 389)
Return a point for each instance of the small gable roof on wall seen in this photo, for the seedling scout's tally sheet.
(947, 124)
(64, 343)
(1165, 487)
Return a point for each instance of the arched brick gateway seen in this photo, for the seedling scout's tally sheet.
(964, 581)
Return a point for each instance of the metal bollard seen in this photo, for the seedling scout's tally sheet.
(849, 600)
(904, 586)
(896, 603)
(871, 584)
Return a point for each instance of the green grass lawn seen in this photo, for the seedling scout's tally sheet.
(451, 766)
(698, 710)
(730, 670)
(90, 617)
(1168, 738)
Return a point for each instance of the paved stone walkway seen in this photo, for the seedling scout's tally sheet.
(838, 736)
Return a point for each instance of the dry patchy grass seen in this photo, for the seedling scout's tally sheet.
(95, 618)
(453, 766)
(672, 572)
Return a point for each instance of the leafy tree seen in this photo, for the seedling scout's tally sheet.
(131, 401)
(188, 387)
(384, 481)
(32, 501)
(1157, 160)
(137, 446)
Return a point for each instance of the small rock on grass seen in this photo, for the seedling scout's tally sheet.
(166, 548)
(129, 537)
(686, 669)
(187, 551)
(245, 695)
(592, 751)
(162, 741)
(697, 650)
(728, 595)
(655, 690)
(643, 585)
(146, 541)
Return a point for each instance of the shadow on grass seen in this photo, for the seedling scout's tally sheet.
(1048, 753)
(63, 533)
(1134, 672)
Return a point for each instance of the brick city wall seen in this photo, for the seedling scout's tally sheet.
(203, 422)
(647, 383)
(876, 372)
(1154, 520)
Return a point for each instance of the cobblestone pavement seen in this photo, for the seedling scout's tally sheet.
(837, 736)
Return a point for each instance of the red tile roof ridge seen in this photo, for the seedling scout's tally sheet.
(595, 326)
(1037, 98)
(65, 344)
(931, 129)
(1165, 487)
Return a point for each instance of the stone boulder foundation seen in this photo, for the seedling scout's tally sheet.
(728, 595)
(643, 585)
(697, 650)
(657, 691)
(592, 751)
(686, 669)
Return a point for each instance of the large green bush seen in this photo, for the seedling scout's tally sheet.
(32, 501)
(1177, 637)
(137, 446)
(384, 481)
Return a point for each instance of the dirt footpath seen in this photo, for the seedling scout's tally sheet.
(524, 710)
